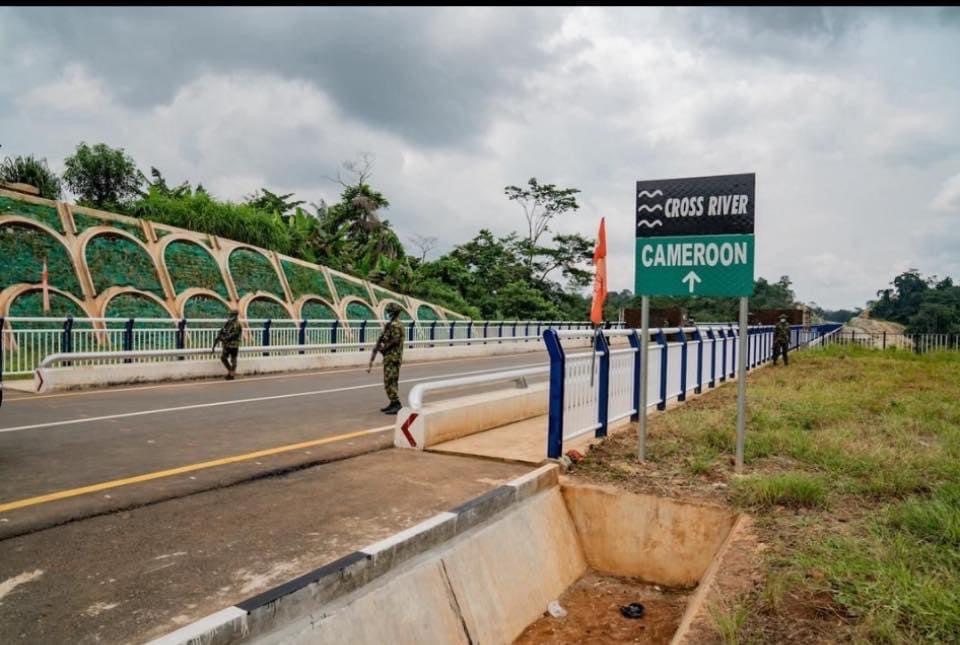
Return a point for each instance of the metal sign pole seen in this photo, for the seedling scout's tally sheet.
(742, 385)
(644, 356)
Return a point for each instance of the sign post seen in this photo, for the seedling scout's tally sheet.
(695, 237)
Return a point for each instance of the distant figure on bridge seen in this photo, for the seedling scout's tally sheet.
(390, 345)
(781, 340)
(229, 336)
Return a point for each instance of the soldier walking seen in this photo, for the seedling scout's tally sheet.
(390, 345)
(781, 340)
(229, 336)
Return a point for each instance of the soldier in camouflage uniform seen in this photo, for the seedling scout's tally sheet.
(391, 346)
(781, 340)
(229, 336)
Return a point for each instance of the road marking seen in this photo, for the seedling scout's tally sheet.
(73, 492)
(246, 379)
(196, 406)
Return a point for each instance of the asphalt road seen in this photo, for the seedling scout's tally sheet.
(74, 455)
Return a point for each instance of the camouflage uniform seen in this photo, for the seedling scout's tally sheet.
(781, 341)
(392, 350)
(229, 336)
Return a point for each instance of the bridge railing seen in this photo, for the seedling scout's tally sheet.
(26, 341)
(589, 390)
(919, 343)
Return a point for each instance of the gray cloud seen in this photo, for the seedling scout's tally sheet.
(433, 76)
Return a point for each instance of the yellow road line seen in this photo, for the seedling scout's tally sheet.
(74, 492)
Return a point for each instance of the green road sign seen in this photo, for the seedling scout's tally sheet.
(695, 265)
(695, 236)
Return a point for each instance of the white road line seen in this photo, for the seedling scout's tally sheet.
(214, 404)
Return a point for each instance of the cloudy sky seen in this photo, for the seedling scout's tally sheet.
(849, 117)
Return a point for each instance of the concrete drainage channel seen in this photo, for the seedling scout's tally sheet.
(486, 571)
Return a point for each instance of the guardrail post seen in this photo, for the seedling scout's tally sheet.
(265, 337)
(603, 403)
(66, 342)
(697, 336)
(469, 331)
(500, 333)
(453, 331)
(683, 366)
(557, 374)
(713, 358)
(302, 334)
(180, 339)
(662, 341)
(723, 354)
(410, 330)
(333, 335)
(433, 332)
(884, 338)
(734, 339)
(128, 338)
(363, 334)
(634, 339)
(515, 323)
(526, 331)
(486, 325)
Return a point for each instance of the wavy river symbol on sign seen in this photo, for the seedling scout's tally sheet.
(649, 224)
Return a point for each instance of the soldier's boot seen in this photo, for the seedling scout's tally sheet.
(386, 407)
(230, 375)
(393, 408)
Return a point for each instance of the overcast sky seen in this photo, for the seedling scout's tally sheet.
(849, 117)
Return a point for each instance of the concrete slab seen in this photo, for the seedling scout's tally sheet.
(136, 575)
(522, 442)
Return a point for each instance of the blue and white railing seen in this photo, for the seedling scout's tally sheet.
(590, 390)
(26, 342)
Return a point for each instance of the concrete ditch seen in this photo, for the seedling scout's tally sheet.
(484, 572)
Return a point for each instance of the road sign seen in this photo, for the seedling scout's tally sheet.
(695, 236)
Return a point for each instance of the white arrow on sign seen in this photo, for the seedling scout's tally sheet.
(693, 279)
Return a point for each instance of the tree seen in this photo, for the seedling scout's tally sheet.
(159, 186)
(102, 177)
(265, 200)
(424, 243)
(33, 171)
(541, 203)
(777, 295)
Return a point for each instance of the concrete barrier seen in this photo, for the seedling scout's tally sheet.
(53, 379)
(463, 416)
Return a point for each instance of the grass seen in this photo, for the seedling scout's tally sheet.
(853, 474)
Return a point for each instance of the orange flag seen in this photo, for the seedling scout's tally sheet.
(46, 288)
(600, 278)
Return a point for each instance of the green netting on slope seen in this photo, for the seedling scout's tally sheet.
(43, 214)
(360, 311)
(134, 305)
(204, 307)
(191, 266)
(116, 261)
(83, 221)
(30, 304)
(262, 308)
(346, 288)
(23, 249)
(313, 310)
(383, 294)
(253, 272)
(305, 281)
(427, 313)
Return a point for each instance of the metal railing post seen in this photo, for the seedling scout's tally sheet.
(469, 331)
(128, 338)
(302, 334)
(363, 334)
(698, 388)
(67, 341)
(486, 325)
(433, 332)
(333, 335)
(662, 341)
(734, 339)
(500, 333)
(713, 357)
(410, 330)
(603, 400)
(265, 337)
(180, 340)
(557, 374)
(634, 339)
(723, 354)
(453, 331)
(683, 366)
(884, 340)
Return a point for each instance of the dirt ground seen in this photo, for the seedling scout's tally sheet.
(593, 614)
